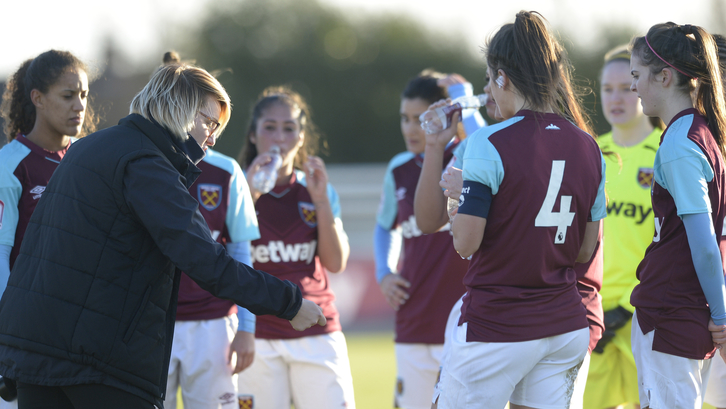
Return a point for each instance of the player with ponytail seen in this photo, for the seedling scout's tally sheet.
(531, 206)
(677, 76)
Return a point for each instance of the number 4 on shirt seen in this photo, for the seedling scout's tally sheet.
(546, 216)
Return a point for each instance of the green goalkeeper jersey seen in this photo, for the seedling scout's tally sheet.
(629, 227)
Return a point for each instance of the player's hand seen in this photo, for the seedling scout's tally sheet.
(243, 345)
(261, 160)
(607, 336)
(442, 138)
(308, 315)
(453, 181)
(718, 335)
(718, 332)
(616, 318)
(450, 80)
(393, 288)
(317, 178)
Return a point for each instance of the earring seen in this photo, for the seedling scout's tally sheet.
(500, 82)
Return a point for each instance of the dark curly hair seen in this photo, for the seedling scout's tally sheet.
(283, 95)
(38, 73)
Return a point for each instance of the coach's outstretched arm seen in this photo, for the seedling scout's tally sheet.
(162, 203)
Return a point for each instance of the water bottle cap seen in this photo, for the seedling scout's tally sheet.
(483, 98)
(275, 150)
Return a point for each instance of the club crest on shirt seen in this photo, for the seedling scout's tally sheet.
(308, 214)
(209, 195)
(399, 386)
(645, 177)
(246, 402)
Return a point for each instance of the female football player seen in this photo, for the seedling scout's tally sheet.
(302, 238)
(676, 74)
(45, 106)
(431, 269)
(529, 209)
(631, 144)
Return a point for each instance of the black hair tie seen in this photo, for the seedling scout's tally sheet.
(687, 29)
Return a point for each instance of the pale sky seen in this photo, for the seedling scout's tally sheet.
(145, 28)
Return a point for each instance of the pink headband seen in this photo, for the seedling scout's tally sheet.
(662, 59)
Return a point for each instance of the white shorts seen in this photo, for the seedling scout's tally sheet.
(312, 372)
(418, 369)
(539, 373)
(716, 389)
(199, 364)
(451, 323)
(667, 381)
(580, 382)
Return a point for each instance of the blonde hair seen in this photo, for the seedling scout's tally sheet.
(174, 95)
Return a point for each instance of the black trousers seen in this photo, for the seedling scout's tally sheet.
(91, 396)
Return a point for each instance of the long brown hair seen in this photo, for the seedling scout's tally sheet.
(694, 54)
(38, 73)
(538, 67)
(286, 96)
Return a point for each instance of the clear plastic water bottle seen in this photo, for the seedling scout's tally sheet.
(264, 180)
(440, 118)
(452, 207)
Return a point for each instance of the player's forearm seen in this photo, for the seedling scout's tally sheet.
(707, 262)
(468, 233)
(333, 247)
(429, 203)
(386, 250)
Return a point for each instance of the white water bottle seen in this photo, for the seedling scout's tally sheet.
(440, 118)
(264, 180)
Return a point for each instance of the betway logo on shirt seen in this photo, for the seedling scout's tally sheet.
(631, 210)
(280, 252)
(409, 228)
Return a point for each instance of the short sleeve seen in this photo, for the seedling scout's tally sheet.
(459, 154)
(388, 207)
(334, 201)
(599, 208)
(685, 174)
(10, 191)
(483, 164)
(241, 216)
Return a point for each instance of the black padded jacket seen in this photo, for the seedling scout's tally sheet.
(92, 296)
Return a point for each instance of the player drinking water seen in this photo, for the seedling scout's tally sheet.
(301, 237)
(431, 268)
(530, 208)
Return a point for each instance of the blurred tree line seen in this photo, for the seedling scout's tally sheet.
(351, 70)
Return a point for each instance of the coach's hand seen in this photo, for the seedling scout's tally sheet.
(308, 315)
(243, 345)
(393, 288)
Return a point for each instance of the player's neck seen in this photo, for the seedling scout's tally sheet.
(47, 139)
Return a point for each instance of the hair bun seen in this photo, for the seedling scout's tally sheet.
(687, 29)
(171, 57)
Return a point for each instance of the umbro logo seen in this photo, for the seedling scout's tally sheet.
(552, 127)
(37, 191)
(400, 193)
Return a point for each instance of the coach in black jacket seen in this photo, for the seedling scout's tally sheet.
(90, 304)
